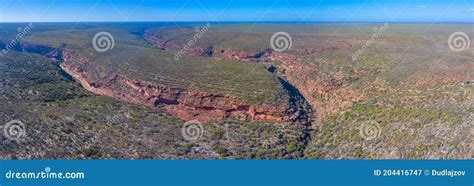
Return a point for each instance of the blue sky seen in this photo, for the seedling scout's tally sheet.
(237, 10)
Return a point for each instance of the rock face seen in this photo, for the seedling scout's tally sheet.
(241, 55)
(182, 103)
(211, 51)
(193, 105)
(298, 75)
(312, 88)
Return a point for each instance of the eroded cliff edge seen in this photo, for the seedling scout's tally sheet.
(297, 75)
(180, 102)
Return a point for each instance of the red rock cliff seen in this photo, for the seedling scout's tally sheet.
(183, 103)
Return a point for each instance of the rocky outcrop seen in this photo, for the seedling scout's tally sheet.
(183, 103)
(329, 88)
(290, 65)
(167, 44)
(241, 55)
